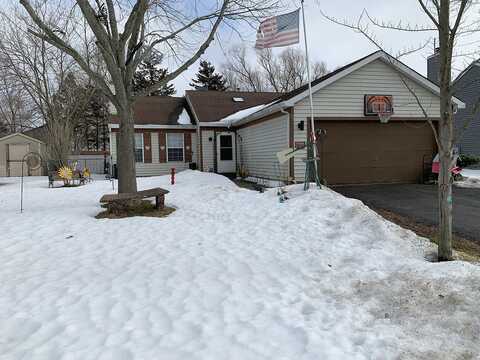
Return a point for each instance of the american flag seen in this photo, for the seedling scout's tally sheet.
(281, 30)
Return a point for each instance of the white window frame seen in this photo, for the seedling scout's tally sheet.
(183, 147)
(137, 148)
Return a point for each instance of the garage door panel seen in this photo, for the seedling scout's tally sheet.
(360, 152)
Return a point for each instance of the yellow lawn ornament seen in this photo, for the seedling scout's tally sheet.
(65, 173)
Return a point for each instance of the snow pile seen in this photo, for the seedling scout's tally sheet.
(239, 115)
(471, 179)
(232, 274)
(184, 118)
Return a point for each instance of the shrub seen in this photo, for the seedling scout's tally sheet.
(467, 160)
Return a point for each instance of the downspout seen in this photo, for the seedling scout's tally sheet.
(282, 110)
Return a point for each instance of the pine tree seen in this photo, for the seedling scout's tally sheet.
(148, 73)
(91, 122)
(207, 78)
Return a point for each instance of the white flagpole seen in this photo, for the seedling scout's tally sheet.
(312, 121)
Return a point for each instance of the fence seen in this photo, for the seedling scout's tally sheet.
(97, 164)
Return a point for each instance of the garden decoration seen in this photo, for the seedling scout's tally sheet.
(66, 174)
(86, 173)
(455, 170)
(33, 160)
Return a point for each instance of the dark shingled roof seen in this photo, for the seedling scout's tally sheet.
(215, 105)
(157, 110)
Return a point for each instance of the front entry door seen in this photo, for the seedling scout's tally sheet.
(226, 153)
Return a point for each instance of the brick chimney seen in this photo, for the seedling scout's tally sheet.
(433, 66)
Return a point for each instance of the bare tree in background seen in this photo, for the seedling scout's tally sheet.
(148, 25)
(15, 109)
(449, 21)
(281, 73)
(43, 73)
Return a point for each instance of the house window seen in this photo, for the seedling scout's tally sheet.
(139, 147)
(226, 148)
(175, 147)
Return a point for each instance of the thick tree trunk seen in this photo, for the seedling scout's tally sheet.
(127, 180)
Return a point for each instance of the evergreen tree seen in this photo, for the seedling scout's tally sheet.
(90, 120)
(148, 73)
(207, 78)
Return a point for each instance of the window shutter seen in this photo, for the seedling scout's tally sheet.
(147, 147)
(162, 147)
(187, 146)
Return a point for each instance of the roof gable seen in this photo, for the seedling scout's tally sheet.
(302, 92)
(293, 97)
(22, 135)
(157, 110)
(466, 71)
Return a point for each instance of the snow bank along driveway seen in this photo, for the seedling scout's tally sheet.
(471, 179)
(232, 274)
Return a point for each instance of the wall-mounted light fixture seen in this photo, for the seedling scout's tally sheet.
(301, 125)
(210, 139)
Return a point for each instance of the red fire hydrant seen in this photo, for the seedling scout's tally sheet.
(173, 176)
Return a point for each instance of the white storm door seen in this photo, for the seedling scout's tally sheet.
(226, 153)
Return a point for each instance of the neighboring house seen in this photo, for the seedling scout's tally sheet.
(229, 131)
(467, 88)
(13, 148)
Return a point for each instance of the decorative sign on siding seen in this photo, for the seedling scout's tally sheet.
(299, 144)
(375, 104)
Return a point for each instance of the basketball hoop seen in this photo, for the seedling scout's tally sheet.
(384, 116)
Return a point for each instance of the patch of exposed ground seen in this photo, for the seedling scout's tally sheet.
(468, 250)
(144, 208)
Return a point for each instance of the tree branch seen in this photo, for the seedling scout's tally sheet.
(50, 37)
(195, 57)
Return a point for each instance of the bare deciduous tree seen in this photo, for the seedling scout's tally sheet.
(147, 25)
(44, 73)
(15, 109)
(281, 73)
(449, 21)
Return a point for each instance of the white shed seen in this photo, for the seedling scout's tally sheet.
(13, 148)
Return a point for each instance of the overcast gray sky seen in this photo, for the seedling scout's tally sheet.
(337, 45)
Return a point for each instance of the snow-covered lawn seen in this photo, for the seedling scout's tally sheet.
(471, 179)
(232, 274)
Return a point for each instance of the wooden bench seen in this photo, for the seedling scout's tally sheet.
(116, 199)
(53, 176)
